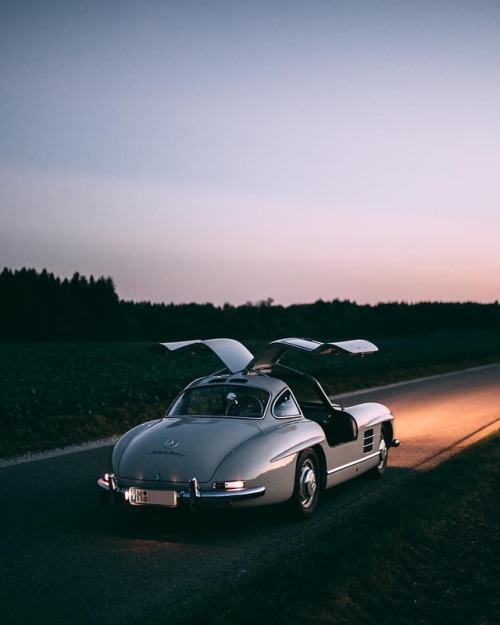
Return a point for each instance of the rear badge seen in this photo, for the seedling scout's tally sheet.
(157, 477)
(169, 447)
(170, 444)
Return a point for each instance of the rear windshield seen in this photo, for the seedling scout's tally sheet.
(221, 400)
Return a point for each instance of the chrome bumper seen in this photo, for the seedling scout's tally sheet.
(111, 493)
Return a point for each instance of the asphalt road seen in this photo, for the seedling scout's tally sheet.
(67, 560)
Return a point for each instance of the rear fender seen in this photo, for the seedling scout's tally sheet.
(269, 459)
(125, 440)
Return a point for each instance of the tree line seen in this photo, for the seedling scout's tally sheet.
(39, 306)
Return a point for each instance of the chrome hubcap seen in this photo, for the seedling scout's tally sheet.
(382, 450)
(307, 484)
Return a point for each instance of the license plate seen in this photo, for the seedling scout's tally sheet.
(141, 497)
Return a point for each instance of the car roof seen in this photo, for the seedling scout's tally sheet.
(244, 380)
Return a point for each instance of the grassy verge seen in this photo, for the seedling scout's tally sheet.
(429, 555)
(56, 394)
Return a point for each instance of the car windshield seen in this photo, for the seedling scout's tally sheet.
(221, 400)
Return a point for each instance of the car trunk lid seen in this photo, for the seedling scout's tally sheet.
(178, 449)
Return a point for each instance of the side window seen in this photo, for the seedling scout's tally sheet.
(286, 406)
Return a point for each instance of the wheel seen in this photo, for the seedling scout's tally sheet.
(383, 455)
(306, 489)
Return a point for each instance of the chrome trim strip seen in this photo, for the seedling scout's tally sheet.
(353, 463)
(244, 493)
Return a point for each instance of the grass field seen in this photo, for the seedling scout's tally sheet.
(56, 394)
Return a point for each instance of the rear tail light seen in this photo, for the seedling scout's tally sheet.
(234, 485)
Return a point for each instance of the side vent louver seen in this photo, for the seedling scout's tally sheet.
(368, 441)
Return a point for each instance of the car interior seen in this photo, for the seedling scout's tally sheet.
(339, 426)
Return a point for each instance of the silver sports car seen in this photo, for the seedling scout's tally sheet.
(254, 433)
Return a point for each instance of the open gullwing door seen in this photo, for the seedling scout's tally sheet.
(233, 354)
(273, 352)
(236, 357)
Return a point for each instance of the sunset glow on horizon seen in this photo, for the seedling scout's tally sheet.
(227, 152)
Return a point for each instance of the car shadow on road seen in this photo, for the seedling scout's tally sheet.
(211, 527)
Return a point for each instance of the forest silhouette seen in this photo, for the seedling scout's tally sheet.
(39, 306)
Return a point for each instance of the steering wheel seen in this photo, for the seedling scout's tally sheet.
(245, 406)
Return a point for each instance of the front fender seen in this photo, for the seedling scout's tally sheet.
(370, 414)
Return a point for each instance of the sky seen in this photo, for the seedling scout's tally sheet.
(231, 151)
